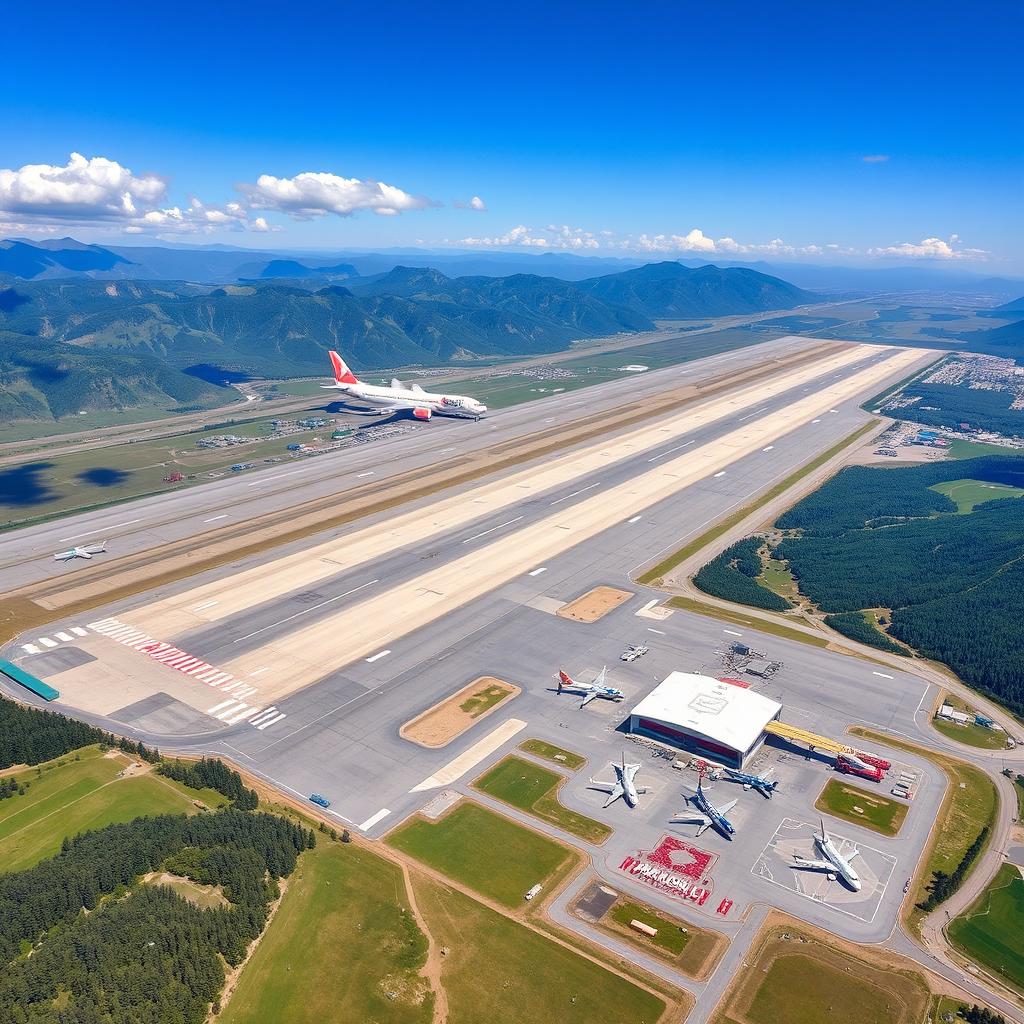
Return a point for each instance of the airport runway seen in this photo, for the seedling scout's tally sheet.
(140, 525)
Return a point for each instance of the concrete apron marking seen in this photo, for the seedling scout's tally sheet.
(276, 577)
(308, 654)
(454, 770)
(373, 819)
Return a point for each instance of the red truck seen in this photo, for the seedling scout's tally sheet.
(863, 771)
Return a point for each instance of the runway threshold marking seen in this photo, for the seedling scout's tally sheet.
(373, 819)
(471, 758)
(305, 611)
(379, 655)
(484, 533)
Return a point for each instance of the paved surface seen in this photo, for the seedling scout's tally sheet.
(340, 735)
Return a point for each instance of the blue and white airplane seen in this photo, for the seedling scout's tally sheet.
(706, 814)
(761, 783)
(589, 691)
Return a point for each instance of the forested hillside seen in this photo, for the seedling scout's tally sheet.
(732, 576)
(874, 537)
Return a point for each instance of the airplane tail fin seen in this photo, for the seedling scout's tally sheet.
(342, 374)
(824, 834)
(563, 680)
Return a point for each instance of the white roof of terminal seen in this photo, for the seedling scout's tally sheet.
(721, 711)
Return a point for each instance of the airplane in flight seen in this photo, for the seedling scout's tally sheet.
(706, 815)
(84, 552)
(397, 398)
(588, 691)
(834, 863)
(624, 784)
(761, 783)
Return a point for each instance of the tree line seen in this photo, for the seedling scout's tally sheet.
(31, 736)
(732, 576)
(943, 885)
(856, 627)
(212, 773)
(142, 953)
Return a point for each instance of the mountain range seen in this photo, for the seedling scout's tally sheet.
(183, 339)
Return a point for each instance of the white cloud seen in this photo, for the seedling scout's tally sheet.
(932, 249)
(876, 158)
(84, 189)
(476, 203)
(554, 236)
(316, 194)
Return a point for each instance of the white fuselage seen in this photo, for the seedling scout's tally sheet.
(409, 398)
(844, 869)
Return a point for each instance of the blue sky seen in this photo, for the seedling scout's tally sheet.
(731, 129)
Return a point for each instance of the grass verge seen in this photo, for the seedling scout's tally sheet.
(969, 806)
(485, 851)
(556, 755)
(654, 575)
(496, 969)
(343, 946)
(738, 618)
(851, 803)
(990, 931)
(80, 792)
(534, 789)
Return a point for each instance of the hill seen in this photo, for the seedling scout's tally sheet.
(295, 270)
(1006, 341)
(671, 291)
(55, 258)
(1016, 306)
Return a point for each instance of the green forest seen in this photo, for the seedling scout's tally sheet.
(882, 538)
(732, 576)
(949, 405)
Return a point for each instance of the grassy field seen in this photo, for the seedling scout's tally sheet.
(969, 806)
(739, 618)
(65, 797)
(969, 493)
(878, 813)
(959, 449)
(498, 970)
(556, 755)
(990, 931)
(656, 572)
(533, 789)
(803, 980)
(483, 700)
(485, 851)
(777, 577)
(202, 896)
(973, 735)
(341, 941)
(672, 937)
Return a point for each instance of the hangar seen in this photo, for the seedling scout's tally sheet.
(707, 717)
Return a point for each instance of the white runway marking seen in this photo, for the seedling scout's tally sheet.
(373, 819)
(276, 718)
(722, 473)
(815, 421)
(754, 413)
(471, 758)
(104, 529)
(30, 648)
(883, 675)
(215, 518)
(46, 641)
(537, 572)
(205, 604)
(378, 655)
(635, 519)
(769, 448)
(263, 715)
(660, 632)
(63, 636)
(221, 706)
(361, 475)
(671, 450)
(566, 497)
(492, 529)
(732, 632)
(304, 611)
(78, 631)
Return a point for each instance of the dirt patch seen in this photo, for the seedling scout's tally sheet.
(442, 723)
(198, 895)
(594, 605)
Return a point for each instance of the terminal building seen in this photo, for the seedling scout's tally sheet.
(721, 721)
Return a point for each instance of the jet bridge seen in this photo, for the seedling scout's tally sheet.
(816, 742)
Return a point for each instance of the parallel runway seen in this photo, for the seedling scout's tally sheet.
(26, 554)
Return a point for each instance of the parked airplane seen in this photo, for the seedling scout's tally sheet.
(761, 783)
(422, 404)
(589, 691)
(834, 863)
(87, 552)
(624, 784)
(706, 814)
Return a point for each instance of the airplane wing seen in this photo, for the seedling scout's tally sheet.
(590, 695)
(396, 383)
(94, 549)
(727, 807)
(613, 789)
(814, 865)
(64, 556)
(691, 818)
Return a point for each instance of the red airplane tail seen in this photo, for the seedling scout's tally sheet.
(342, 374)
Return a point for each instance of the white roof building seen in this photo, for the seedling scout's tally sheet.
(720, 721)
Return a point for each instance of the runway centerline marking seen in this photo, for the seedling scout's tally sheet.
(215, 518)
(722, 473)
(537, 572)
(103, 529)
(566, 497)
(671, 450)
(883, 675)
(492, 529)
(305, 611)
(635, 519)
(369, 472)
(732, 632)
(379, 655)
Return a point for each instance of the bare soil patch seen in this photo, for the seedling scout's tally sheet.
(594, 605)
(451, 717)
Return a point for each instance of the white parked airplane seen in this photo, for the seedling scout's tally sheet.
(598, 688)
(87, 552)
(422, 404)
(834, 863)
(624, 784)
